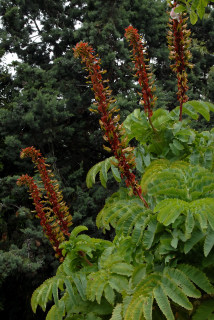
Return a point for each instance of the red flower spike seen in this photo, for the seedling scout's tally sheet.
(113, 130)
(178, 43)
(59, 208)
(48, 229)
(142, 69)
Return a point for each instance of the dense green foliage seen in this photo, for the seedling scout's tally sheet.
(45, 103)
(162, 257)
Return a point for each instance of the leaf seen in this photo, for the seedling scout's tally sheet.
(194, 4)
(80, 283)
(180, 9)
(117, 312)
(189, 223)
(147, 160)
(91, 175)
(199, 106)
(196, 236)
(118, 283)
(77, 230)
(147, 307)
(149, 234)
(178, 145)
(169, 210)
(201, 9)
(56, 312)
(198, 277)
(70, 291)
(193, 17)
(137, 311)
(209, 242)
(103, 178)
(183, 281)
(45, 291)
(109, 294)
(102, 168)
(116, 173)
(122, 268)
(163, 302)
(175, 293)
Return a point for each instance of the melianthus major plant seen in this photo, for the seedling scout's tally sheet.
(160, 263)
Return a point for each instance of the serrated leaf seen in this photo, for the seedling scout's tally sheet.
(196, 236)
(209, 242)
(122, 268)
(169, 210)
(178, 145)
(117, 312)
(189, 223)
(180, 9)
(147, 307)
(183, 281)
(55, 293)
(200, 9)
(200, 107)
(175, 293)
(198, 277)
(147, 160)
(116, 173)
(70, 291)
(103, 180)
(118, 283)
(77, 230)
(149, 234)
(109, 294)
(163, 302)
(193, 17)
(56, 313)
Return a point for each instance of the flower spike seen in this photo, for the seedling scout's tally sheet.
(144, 77)
(179, 43)
(53, 234)
(54, 196)
(114, 132)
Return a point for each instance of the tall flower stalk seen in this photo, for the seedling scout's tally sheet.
(48, 201)
(179, 43)
(142, 71)
(53, 195)
(109, 122)
(50, 228)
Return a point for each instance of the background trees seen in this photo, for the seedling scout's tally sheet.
(44, 103)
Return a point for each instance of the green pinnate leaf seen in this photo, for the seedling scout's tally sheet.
(209, 242)
(109, 294)
(193, 17)
(197, 277)
(163, 302)
(198, 106)
(117, 312)
(122, 268)
(183, 282)
(147, 307)
(169, 210)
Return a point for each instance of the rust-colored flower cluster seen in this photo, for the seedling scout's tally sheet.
(50, 208)
(142, 70)
(114, 132)
(179, 43)
(45, 220)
